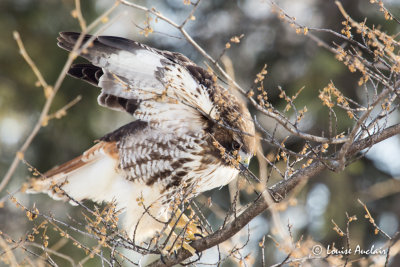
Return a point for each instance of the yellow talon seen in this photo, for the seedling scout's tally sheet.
(191, 231)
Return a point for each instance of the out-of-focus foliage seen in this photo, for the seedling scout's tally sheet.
(293, 61)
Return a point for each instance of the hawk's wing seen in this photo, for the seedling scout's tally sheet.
(155, 86)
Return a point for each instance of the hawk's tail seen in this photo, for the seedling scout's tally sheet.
(85, 177)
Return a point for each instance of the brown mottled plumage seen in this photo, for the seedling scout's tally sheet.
(189, 134)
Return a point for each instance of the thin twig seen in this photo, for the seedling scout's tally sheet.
(49, 99)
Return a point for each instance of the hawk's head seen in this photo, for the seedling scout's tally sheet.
(233, 127)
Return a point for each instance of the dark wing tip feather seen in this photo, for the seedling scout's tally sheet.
(124, 131)
(67, 40)
(71, 35)
(86, 72)
(122, 43)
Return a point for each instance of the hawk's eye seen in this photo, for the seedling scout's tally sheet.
(236, 145)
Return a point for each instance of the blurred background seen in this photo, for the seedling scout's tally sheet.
(293, 61)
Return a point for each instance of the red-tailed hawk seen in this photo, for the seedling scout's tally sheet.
(189, 134)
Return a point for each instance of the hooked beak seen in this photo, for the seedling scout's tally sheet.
(245, 160)
(244, 164)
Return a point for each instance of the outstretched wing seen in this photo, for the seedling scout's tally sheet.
(159, 87)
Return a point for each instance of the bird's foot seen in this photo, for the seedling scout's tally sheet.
(188, 228)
